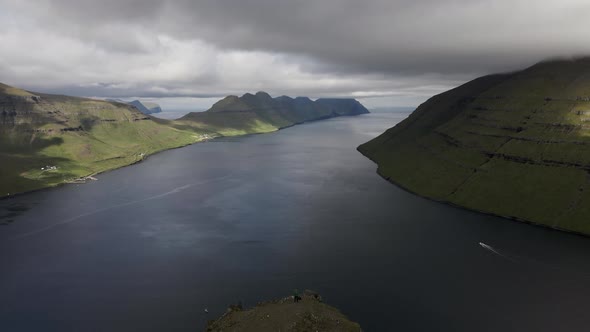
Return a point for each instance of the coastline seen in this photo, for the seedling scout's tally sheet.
(49, 187)
(449, 203)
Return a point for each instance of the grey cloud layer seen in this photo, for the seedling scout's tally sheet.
(369, 41)
(376, 35)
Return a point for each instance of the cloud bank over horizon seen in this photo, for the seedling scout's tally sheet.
(384, 52)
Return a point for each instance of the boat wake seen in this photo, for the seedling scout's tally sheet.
(495, 251)
(81, 216)
(533, 262)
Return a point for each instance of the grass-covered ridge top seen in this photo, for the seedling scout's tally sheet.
(47, 140)
(515, 145)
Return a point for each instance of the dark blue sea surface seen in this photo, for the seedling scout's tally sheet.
(149, 247)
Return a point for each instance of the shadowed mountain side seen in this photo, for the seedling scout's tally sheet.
(262, 113)
(515, 145)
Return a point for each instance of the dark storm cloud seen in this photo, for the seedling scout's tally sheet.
(378, 35)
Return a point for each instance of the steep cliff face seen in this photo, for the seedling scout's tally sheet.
(17, 107)
(515, 145)
(260, 112)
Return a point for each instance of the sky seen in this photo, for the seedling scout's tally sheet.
(186, 54)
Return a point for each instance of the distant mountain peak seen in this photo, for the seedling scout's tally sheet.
(300, 98)
(262, 94)
(143, 107)
(146, 108)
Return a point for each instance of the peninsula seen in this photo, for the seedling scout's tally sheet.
(47, 140)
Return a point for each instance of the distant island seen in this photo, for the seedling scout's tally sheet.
(142, 106)
(47, 140)
(515, 145)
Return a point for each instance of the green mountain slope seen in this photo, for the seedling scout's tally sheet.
(78, 136)
(515, 145)
(261, 113)
(46, 140)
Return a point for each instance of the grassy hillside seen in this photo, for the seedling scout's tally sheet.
(78, 136)
(261, 113)
(46, 140)
(515, 145)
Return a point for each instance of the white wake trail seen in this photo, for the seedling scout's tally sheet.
(494, 251)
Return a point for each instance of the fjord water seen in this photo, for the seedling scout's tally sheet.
(149, 247)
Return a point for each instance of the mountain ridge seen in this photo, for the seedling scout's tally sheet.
(261, 113)
(144, 107)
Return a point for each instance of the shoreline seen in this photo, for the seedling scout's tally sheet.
(93, 174)
(145, 157)
(449, 203)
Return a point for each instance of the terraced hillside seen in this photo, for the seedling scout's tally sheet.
(46, 140)
(516, 145)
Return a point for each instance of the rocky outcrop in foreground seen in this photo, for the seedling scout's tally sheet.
(308, 314)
